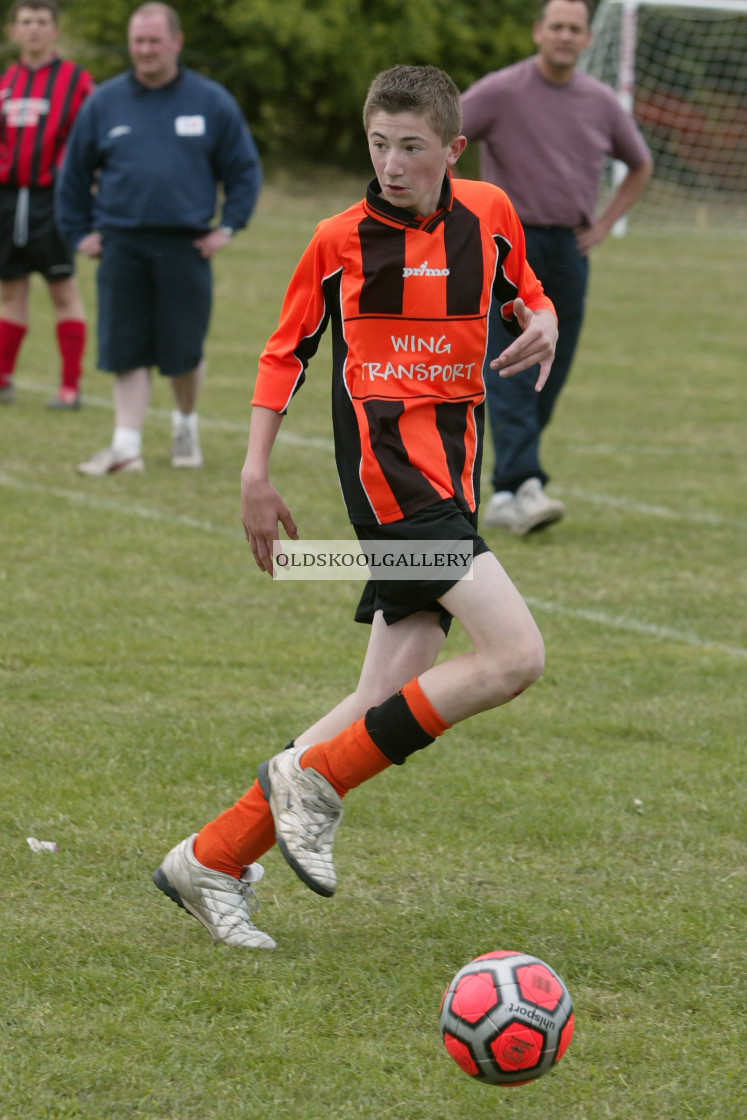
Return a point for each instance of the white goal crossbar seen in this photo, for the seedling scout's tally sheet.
(708, 5)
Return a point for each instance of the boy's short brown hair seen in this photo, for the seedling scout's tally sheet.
(424, 90)
(35, 6)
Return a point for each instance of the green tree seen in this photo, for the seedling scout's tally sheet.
(300, 70)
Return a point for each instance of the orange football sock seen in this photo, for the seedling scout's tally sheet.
(347, 759)
(423, 710)
(237, 837)
(387, 734)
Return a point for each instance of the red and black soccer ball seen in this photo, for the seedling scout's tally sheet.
(506, 1018)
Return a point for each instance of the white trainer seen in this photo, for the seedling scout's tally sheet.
(529, 509)
(306, 810)
(501, 511)
(185, 448)
(111, 461)
(223, 904)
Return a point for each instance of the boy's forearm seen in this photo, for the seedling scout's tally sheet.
(263, 511)
(263, 430)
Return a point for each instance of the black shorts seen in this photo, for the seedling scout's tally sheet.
(29, 240)
(154, 300)
(398, 599)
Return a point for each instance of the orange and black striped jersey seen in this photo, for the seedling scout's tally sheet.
(408, 299)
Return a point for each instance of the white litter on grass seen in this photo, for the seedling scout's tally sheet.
(637, 804)
(41, 845)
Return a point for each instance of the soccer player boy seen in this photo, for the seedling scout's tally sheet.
(40, 96)
(421, 257)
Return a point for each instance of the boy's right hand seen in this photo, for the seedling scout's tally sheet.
(262, 511)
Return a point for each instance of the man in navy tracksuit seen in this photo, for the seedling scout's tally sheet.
(156, 141)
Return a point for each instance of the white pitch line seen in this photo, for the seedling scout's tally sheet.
(599, 618)
(695, 517)
(129, 509)
(636, 626)
(321, 444)
(240, 427)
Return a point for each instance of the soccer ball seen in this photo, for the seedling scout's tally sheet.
(506, 1018)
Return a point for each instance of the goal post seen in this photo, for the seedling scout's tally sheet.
(680, 67)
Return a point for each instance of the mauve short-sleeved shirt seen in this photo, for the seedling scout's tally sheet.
(546, 143)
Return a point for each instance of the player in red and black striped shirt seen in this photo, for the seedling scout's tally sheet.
(40, 96)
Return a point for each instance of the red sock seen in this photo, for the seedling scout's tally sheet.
(71, 339)
(11, 337)
(237, 837)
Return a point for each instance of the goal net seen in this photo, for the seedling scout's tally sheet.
(681, 69)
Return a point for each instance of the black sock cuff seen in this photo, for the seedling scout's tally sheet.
(395, 731)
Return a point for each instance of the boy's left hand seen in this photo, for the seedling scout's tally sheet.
(535, 344)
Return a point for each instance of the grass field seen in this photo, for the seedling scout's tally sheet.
(146, 667)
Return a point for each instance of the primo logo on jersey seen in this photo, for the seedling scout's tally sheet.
(423, 270)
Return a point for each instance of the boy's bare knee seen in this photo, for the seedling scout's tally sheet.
(527, 664)
(506, 673)
(532, 663)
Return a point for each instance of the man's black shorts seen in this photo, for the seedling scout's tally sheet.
(398, 599)
(154, 297)
(29, 241)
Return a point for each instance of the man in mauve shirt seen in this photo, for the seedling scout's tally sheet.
(546, 131)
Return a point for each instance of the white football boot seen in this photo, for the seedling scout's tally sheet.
(222, 903)
(306, 810)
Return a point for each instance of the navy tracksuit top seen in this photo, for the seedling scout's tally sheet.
(156, 157)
